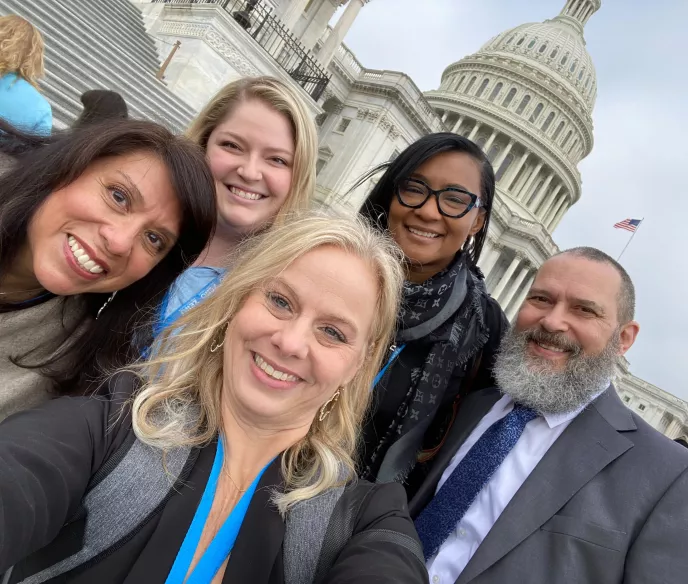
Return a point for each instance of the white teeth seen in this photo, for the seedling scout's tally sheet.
(245, 194)
(271, 371)
(552, 348)
(423, 233)
(82, 257)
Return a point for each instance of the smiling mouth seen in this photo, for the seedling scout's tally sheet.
(83, 259)
(552, 348)
(421, 233)
(242, 194)
(272, 372)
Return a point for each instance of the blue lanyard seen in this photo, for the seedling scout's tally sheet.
(382, 372)
(222, 544)
(163, 322)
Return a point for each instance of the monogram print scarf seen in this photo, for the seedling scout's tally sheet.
(446, 313)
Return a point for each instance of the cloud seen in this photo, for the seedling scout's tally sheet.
(637, 167)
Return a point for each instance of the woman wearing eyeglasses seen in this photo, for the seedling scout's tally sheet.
(436, 199)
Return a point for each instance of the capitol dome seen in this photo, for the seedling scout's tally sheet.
(526, 97)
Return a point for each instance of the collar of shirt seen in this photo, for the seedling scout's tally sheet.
(554, 420)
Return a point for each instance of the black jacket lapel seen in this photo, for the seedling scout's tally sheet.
(588, 445)
(471, 411)
(257, 551)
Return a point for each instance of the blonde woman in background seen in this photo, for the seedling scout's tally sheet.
(261, 145)
(21, 66)
(239, 441)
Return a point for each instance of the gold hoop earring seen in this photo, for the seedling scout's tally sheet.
(324, 411)
(214, 346)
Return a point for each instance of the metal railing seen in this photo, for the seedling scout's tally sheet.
(276, 39)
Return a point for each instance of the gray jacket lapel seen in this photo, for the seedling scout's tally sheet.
(587, 446)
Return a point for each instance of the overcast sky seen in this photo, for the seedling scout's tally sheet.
(636, 166)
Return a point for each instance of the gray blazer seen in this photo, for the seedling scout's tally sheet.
(608, 504)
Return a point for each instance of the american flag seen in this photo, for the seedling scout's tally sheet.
(628, 224)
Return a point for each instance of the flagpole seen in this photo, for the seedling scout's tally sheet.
(631, 239)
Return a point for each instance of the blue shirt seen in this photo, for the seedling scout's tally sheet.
(189, 284)
(23, 106)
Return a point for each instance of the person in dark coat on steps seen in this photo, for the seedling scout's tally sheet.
(436, 199)
(233, 462)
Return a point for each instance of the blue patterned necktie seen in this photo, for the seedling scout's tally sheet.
(441, 516)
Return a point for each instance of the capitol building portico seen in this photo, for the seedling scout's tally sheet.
(526, 97)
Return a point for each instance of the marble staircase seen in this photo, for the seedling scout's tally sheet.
(99, 44)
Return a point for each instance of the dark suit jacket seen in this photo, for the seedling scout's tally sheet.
(48, 455)
(607, 504)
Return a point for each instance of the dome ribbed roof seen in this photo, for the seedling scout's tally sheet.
(556, 47)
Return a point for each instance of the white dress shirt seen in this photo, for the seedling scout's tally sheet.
(537, 438)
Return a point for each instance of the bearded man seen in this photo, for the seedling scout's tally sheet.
(549, 478)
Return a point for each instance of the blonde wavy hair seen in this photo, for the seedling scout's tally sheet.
(180, 401)
(21, 49)
(284, 99)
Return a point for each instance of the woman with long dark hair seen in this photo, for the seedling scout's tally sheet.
(95, 225)
(436, 199)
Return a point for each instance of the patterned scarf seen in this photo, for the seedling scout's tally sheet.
(446, 312)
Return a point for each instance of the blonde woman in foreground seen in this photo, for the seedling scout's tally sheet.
(261, 145)
(21, 66)
(234, 462)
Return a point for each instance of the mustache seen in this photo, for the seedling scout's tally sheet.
(558, 340)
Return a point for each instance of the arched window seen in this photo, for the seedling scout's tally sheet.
(580, 75)
(494, 150)
(470, 84)
(548, 122)
(560, 127)
(521, 106)
(536, 190)
(509, 97)
(505, 166)
(495, 91)
(568, 137)
(520, 41)
(456, 87)
(511, 38)
(542, 48)
(564, 59)
(554, 53)
(480, 141)
(587, 82)
(531, 44)
(573, 66)
(482, 87)
(536, 113)
(573, 146)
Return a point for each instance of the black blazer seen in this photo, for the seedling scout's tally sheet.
(48, 455)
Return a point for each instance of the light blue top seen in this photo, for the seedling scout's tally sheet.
(188, 285)
(23, 106)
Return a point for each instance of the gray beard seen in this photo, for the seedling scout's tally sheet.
(531, 382)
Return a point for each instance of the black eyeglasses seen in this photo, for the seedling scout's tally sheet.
(451, 202)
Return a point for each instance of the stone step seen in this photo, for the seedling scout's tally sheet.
(82, 53)
(48, 18)
(132, 29)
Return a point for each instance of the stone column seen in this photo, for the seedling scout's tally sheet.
(489, 142)
(514, 288)
(458, 123)
(339, 32)
(502, 157)
(554, 210)
(673, 430)
(545, 207)
(293, 13)
(490, 260)
(541, 194)
(513, 175)
(475, 130)
(523, 192)
(513, 309)
(506, 277)
(559, 216)
(445, 116)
